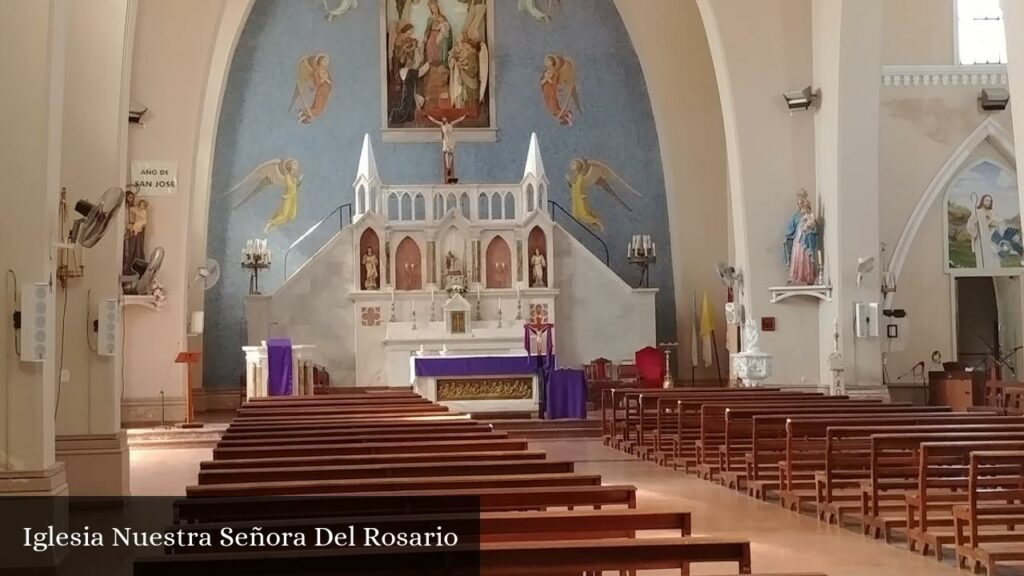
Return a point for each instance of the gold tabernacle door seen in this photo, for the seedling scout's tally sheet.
(484, 389)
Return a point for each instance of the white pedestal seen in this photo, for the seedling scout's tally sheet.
(257, 373)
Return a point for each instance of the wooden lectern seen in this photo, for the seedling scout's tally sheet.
(189, 358)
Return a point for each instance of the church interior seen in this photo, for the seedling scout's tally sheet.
(301, 270)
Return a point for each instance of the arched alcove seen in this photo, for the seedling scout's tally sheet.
(369, 248)
(408, 265)
(537, 244)
(498, 257)
(531, 201)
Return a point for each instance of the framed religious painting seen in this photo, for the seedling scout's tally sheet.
(437, 66)
(983, 221)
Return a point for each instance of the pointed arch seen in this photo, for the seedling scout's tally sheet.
(499, 264)
(369, 240)
(510, 206)
(531, 202)
(988, 131)
(483, 207)
(408, 269)
(537, 242)
(419, 208)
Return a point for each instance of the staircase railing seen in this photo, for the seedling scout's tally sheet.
(340, 211)
(607, 255)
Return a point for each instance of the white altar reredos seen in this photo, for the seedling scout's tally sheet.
(459, 268)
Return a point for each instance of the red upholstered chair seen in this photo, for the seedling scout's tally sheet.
(650, 367)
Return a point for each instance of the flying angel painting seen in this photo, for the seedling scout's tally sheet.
(313, 85)
(279, 172)
(583, 174)
(530, 7)
(340, 9)
(558, 88)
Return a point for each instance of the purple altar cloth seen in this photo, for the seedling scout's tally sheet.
(567, 394)
(279, 367)
(434, 366)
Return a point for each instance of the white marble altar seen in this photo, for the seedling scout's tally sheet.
(256, 370)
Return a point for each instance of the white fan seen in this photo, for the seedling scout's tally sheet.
(89, 229)
(729, 275)
(209, 274)
(141, 282)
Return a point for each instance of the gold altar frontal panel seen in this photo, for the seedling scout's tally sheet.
(484, 389)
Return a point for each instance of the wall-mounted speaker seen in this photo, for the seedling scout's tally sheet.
(35, 321)
(109, 330)
(733, 313)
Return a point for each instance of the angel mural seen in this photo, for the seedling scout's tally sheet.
(530, 7)
(438, 62)
(340, 9)
(313, 85)
(585, 173)
(558, 87)
(280, 172)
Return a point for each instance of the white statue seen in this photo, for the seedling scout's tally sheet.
(750, 336)
(537, 265)
(448, 146)
(370, 266)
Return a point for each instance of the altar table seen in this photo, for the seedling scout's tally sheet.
(567, 394)
(477, 383)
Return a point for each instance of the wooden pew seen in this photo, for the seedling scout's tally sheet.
(375, 421)
(769, 442)
(894, 471)
(737, 448)
(492, 559)
(484, 527)
(370, 459)
(440, 483)
(396, 429)
(271, 413)
(344, 438)
(719, 443)
(992, 500)
(269, 472)
(367, 503)
(370, 448)
(847, 459)
(929, 508)
(815, 447)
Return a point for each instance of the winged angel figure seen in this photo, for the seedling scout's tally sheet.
(585, 173)
(530, 7)
(281, 172)
(343, 6)
(558, 87)
(313, 85)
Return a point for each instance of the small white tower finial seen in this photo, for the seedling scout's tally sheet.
(367, 183)
(534, 163)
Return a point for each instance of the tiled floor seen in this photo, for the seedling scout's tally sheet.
(781, 540)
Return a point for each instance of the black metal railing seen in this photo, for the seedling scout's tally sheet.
(340, 211)
(607, 254)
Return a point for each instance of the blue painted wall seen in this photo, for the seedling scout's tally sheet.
(616, 127)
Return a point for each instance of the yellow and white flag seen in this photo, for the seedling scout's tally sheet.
(707, 325)
(694, 354)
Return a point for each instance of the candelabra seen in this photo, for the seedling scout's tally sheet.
(642, 252)
(667, 347)
(478, 317)
(413, 314)
(255, 257)
(499, 312)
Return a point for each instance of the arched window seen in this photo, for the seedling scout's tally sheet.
(449, 203)
(419, 212)
(464, 205)
(531, 202)
(510, 206)
(483, 207)
(393, 207)
(496, 207)
(438, 206)
(980, 32)
(406, 207)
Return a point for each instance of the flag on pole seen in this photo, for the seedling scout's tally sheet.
(694, 354)
(707, 325)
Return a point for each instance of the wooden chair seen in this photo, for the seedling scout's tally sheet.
(991, 500)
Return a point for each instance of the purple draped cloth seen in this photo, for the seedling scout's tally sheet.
(567, 394)
(434, 366)
(279, 367)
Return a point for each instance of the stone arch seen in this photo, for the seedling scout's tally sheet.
(537, 241)
(369, 240)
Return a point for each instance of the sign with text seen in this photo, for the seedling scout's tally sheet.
(155, 178)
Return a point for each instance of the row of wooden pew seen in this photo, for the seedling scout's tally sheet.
(940, 480)
(396, 461)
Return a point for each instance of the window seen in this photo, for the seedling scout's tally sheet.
(980, 35)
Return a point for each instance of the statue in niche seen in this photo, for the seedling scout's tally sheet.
(800, 247)
(137, 215)
(538, 263)
(448, 146)
(450, 263)
(370, 261)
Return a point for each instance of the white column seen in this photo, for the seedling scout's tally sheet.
(847, 40)
(31, 50)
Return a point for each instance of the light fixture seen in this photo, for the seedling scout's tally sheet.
(994, 99)
(135, 113)
(802, 99)
(865, 264)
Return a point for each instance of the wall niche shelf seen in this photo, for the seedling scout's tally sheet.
(144, 301)
(780, 293)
